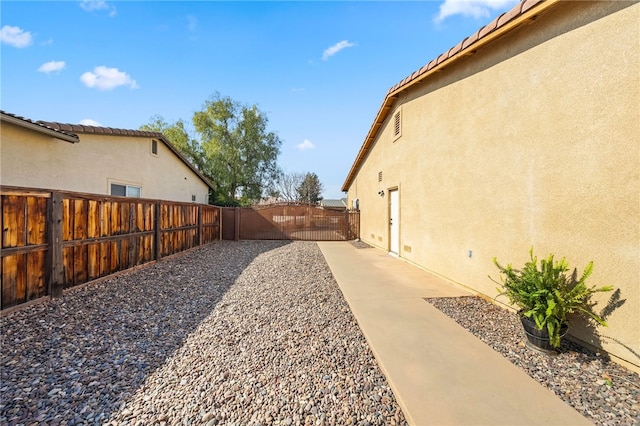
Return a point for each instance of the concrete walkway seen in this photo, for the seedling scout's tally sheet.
(440, 373)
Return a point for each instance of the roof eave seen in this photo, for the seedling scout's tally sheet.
(373, 131)
(40, 129)
(185, 160)
(108, 131)
(529, 9)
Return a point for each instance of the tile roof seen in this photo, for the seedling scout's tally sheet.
(468, 42)
(341, 203)
(518, 15)
(80, 128)
(68, 132)
(39, 127)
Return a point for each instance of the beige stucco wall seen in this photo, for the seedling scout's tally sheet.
(32, 159)
(532, 140)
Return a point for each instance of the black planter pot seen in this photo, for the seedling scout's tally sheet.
(539, 339)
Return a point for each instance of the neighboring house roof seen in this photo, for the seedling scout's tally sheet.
(80, 128)
(524, 12)
(341, 203)
(39, 127)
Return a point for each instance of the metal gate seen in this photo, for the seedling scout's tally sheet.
(292, 222)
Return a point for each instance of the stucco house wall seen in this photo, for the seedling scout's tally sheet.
(31, 158)
(530, 139)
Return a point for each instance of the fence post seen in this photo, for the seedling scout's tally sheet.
(199, 236)
(347, 227)
(56, 277)
(157, 240)
(237, 224)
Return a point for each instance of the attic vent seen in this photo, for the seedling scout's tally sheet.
(379, 176)
(396, 125)
(154, 147)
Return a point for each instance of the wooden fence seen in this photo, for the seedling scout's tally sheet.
(52, 240)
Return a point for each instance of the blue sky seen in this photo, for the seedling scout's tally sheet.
(319, 70)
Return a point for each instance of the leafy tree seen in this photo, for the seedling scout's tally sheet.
(310, 189)
(286, 187)
(239, 152)
(233, 149)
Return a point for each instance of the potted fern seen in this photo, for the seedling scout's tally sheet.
(546, 294)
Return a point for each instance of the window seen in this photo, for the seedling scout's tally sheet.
(154, 147)
(193, 198)
(125, 190)
(397, 125)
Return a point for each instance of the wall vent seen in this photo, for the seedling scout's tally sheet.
(397, 125)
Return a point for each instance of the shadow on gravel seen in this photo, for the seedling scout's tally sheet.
(81, 357)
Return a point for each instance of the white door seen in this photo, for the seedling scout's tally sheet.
(394, 222)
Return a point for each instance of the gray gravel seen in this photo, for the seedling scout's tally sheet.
(603, 391)
(231, 333)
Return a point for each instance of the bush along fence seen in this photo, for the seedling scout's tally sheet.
(53, 240)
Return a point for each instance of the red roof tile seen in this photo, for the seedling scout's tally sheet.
(507, 16)
(455, 49)
(528, 4)
(470, 40)
(488, 28)
(478, 36)
(443, 58)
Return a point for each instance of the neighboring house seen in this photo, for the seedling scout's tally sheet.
(526, 133)
(96, 160)
(340, 204)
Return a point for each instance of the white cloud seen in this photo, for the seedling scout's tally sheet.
(52, 66)
(15, 36)
(336, 48)
(305, 145)
(103, 78)
(473, 8)
(90, 122)
(96, 5)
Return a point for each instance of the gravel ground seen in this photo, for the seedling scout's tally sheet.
(603, 391)
(231, 333)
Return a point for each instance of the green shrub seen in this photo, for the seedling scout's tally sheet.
(547, 293)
